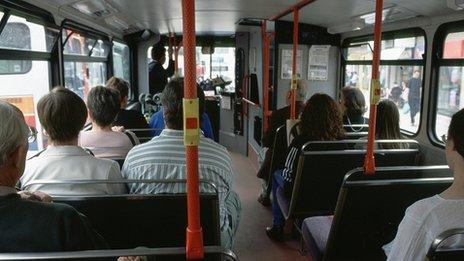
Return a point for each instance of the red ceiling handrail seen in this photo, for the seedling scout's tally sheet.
(369, 161)
(294, 68)
(289, 10)
(266, 39)
(194, 234)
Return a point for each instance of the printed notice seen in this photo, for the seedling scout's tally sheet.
(318, 64)
(286, 72)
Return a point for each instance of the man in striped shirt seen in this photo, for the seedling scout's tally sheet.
(164, 158)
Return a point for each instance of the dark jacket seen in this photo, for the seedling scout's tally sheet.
(30, 226)
(131, 119)
(158, 76)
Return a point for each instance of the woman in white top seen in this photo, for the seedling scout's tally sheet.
(427, 218)
(104, 104)
(63, 114)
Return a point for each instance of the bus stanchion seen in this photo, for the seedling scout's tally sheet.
(266, 45)
(194, 234)
(294, 68)
(369, 161)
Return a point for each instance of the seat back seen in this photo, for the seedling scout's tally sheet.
(129, 221)
(355, 135)
(449, 245)
(279, 148)
(146, 220)
(323, 165)
(370, 208)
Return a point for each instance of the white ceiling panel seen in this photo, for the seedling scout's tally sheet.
(219, 16)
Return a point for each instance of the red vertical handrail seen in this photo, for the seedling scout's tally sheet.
(194, 234)
(266, 43)
(294, 68)
(369, 161)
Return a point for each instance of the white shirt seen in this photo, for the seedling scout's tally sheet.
(422, 223)
(107, 144)
(71, 163)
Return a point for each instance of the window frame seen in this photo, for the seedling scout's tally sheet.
(389, 35)
(437, 62)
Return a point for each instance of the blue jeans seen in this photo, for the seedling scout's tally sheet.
(277, 181)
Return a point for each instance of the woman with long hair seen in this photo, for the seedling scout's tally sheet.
(388, 125)
(321, 120)
(353, 105)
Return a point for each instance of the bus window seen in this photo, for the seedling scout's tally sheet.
(80, 77)
(223, 64)
(18, 33)
(220, 63)
(25, 81)
(85, 61)
(121, 61)
(401, 74)
(450, 82)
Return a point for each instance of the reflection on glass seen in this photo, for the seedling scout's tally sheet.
(77, 44)
(121, 61)
(401, 84)
(23, 35)
(101, 49)
(454, 46)
(80, 77)
(409, 48)
(450, 97)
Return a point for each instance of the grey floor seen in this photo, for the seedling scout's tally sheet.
(251, 242)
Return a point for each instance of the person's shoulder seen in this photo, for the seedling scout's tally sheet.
(207, 144)
(98, 162)
(299, 140)
(281, 112)
(50, 210)
(422, 208)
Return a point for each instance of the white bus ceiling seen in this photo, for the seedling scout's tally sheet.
(221, 16)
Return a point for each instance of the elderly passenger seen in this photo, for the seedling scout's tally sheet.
(164, 158)
(30, 225)
(63, 114)
(104, 104)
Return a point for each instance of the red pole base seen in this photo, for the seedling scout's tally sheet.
(194, 248)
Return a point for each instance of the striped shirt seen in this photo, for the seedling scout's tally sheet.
(164, 158)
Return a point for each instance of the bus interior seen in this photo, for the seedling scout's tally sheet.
(245, 64)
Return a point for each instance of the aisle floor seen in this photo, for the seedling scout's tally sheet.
(251, 242)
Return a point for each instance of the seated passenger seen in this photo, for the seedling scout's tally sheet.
(427, 218)
(387, 126)
(277, 119)
(157, 120)
(31, 226)
(103, 104)
(129, 119)
(63, 114)
(353, 107)
(164, 158)
(321, 120)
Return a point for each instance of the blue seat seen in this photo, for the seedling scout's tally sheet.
(315, 231)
